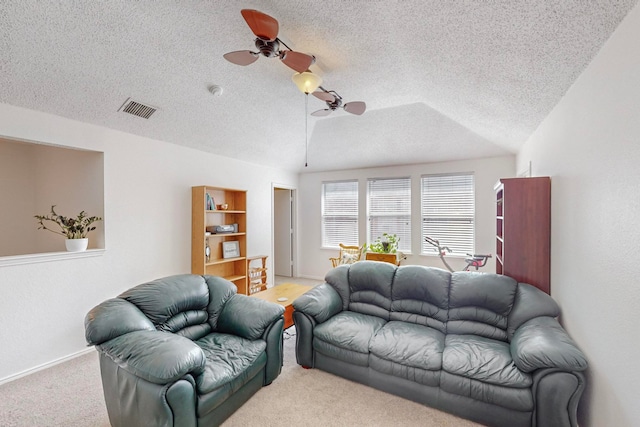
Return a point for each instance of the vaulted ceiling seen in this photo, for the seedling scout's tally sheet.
(442, 80)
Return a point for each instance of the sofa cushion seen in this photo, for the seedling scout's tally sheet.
(409, 351)
(370, 287)
(519, 399)
(421, 295)
(409, 344)
(529, 304)
(349, 331)
(482, 359)
(480, 304)
(231, 361)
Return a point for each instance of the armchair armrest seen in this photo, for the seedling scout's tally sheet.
(248, 317)
(158, 357)
(542, 343)
(321, 303)
(113, 318)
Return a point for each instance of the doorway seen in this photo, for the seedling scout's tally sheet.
(283, 231)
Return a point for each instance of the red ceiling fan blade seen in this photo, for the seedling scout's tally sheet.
(324, 96)
(321, 113)
(262, 25)
(241, 57)
(297, 61)
(357, 107)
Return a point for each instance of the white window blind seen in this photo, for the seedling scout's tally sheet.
(339, 213)
(448, 212)
(389, 210)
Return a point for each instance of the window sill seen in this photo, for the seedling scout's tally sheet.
(46, 257)
(448, 255)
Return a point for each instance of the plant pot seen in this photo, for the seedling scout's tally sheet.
(374, 256)
(76, 245)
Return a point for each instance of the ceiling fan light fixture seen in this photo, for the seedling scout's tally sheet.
(307, 82)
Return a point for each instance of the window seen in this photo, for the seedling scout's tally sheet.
(339, 213)
(389, 210)
(448, 212)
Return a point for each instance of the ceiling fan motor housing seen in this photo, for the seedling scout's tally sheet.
(335, 104)
(268, 48)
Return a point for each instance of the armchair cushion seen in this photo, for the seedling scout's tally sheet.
(348, 258)
(164, 298)
(228, 357)
(543, 343)
(256, 316)
(158, 357)
(113, 318)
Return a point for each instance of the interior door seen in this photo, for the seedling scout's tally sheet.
(283, 232)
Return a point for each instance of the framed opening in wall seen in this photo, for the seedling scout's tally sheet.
(35, 176)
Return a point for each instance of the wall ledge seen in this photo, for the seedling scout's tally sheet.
(7, 261)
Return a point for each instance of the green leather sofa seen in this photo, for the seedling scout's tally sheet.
(183, 351)
(479, 345)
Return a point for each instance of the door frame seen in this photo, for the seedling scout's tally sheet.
(294, 228)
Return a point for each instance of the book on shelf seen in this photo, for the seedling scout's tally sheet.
(210, 203)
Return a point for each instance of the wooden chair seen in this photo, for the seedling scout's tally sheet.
(348, 255)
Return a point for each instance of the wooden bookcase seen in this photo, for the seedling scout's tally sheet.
(234, 268)
(523, 230)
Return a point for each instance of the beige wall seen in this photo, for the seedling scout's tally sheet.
(314, 260)
(17, 201)
(590, 146)
(73, 180)
(147, 211)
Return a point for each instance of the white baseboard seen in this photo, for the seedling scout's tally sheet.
(45, 365)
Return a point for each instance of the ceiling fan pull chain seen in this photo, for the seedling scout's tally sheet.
(306, 131)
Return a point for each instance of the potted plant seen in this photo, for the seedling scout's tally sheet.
(74, 229)
(384, 249)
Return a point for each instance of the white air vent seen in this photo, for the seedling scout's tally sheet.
(137, 108)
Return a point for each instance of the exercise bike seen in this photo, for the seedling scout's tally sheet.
(473, 260)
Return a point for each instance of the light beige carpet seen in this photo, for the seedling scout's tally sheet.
(311, 397)
(70, 394)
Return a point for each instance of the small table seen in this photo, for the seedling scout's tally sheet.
(290, 291)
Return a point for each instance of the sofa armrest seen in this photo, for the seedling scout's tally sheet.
(321, 303)
(542, 343)
(158, 357)
(248, 317)
(113, 318)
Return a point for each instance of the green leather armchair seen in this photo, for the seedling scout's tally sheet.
(184, 350)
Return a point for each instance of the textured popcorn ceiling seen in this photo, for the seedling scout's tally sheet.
(442, 80)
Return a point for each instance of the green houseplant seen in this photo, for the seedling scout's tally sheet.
(385, 248)
(386, 244)
(72, 228)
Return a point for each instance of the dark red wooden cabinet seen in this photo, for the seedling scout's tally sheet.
(523, 230)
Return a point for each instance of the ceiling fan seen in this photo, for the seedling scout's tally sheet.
(268, 44)
(334, 101)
